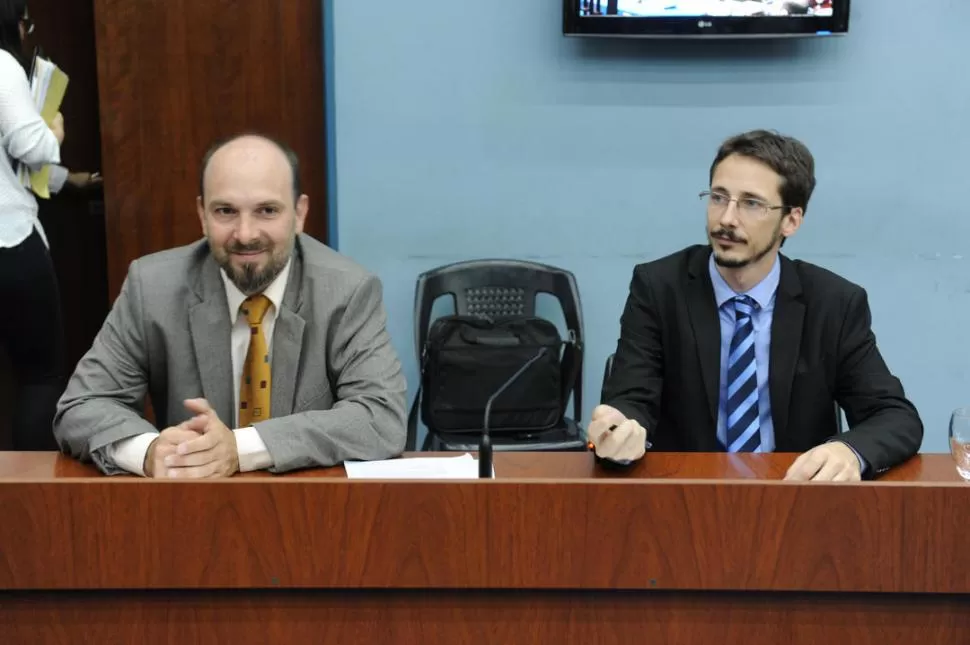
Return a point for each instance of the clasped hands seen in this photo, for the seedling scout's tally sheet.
(201, 447)
(615, 437)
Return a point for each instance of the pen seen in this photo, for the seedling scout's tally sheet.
(589, 444)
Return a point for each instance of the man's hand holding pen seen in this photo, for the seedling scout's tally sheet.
(612, 436)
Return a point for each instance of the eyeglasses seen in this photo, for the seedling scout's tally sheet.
(748, 206)
(28, 25)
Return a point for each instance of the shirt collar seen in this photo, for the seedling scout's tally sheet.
(275, 291)
(762, 293)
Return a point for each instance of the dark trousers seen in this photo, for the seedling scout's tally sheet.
(33, 335)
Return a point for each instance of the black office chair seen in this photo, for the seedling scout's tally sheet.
(501, 288)
(608, 370)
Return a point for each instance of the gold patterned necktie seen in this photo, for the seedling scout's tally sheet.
(254, 388)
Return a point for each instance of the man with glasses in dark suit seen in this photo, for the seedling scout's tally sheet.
(731, 346)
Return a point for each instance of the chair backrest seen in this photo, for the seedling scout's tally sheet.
(608, 369)
(497, 289)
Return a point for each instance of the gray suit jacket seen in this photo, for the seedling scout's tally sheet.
(338, 390)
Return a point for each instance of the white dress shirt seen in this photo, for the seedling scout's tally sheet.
(130, 453)
(26, 138)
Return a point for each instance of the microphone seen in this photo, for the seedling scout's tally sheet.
(485, 443)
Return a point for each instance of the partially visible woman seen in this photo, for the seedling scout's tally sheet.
(30, 315)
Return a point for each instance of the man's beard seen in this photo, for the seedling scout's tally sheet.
(250, 279)
(737, 263)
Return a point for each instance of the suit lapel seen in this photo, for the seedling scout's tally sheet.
(786, 341)
(288, 341)
(704, 323)
(209, 325)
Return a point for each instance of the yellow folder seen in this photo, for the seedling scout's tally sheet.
(52, 87)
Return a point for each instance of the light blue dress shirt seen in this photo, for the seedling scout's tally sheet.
(762, 293)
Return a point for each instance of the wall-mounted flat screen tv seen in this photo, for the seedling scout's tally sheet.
(705, 18)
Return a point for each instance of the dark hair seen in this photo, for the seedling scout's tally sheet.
(11, 14)
(787, 156)
(291, 157)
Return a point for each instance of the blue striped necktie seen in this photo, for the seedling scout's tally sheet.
(743, 420)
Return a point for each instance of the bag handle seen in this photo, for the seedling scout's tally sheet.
(487, 337)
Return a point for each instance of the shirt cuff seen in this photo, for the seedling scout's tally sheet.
(58, 175)
(129, 454)
(253, 454)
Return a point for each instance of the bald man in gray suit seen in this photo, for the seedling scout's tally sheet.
(180, 332)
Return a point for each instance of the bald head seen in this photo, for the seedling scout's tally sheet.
(250, 153)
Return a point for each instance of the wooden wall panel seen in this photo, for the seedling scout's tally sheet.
(403, 617)
(682, 548)
(647, 534)
(175, 75)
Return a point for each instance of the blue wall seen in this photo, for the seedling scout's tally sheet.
(466, 130)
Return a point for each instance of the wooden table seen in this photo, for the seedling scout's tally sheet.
(685, 548)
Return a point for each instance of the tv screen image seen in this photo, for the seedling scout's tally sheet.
(705, 18)
(737, 8)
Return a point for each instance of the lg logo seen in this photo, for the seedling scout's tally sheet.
(702, 24)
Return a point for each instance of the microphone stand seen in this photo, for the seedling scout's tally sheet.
(485, 442)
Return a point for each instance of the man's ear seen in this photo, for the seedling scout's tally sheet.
(302, 208)
(792, 221)
(200, 209)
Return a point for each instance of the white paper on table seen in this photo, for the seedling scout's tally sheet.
(462, 467)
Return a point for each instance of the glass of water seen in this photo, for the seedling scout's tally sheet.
(960, 440)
